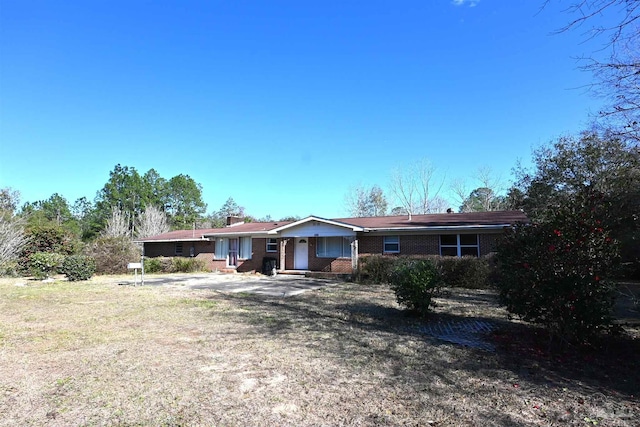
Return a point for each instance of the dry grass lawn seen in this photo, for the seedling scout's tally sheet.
(95, 353)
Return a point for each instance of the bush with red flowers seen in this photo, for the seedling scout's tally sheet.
(557, 272)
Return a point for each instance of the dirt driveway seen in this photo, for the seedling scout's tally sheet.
(278, 286)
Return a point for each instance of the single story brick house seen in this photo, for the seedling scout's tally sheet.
(333, 245)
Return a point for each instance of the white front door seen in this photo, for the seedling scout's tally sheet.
(301, 254)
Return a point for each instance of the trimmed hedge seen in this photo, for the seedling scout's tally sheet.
(376, 268)
(174, 265)
(188, 265)
(465, 272)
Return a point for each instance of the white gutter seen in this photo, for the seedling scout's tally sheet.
(245, 233)
(440, 228)
(172, 240)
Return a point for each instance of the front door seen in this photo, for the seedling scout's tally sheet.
(233, 252)
(301, 254)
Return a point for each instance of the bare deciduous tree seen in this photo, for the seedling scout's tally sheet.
(152, 222)
(12, 238)
(118, 224)
(618, 75)
(416, 188)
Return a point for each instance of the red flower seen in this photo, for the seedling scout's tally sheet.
(597, 278)
(558, 232)
(552, 248)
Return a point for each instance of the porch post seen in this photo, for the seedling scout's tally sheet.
(354, 255)
(283, 253)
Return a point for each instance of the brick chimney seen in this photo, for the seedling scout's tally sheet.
(233, 220)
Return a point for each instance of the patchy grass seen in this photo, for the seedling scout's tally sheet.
(95, 353)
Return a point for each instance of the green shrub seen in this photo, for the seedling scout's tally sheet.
(153, 265)
(188, 265)
(376, 268)
(556, 273)
(173, 265)
(43, 264)
(46, 238)
(78, 267)
(465, 272)
(415, 282)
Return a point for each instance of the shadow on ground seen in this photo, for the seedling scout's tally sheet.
(368, 326)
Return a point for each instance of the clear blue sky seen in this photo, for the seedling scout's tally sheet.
(282, 105)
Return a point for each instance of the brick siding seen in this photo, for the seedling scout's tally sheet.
(328, 265)
(425, 244)
(422, 244)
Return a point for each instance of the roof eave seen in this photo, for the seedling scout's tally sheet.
(242, 233)
(204, 239)
(440, 228)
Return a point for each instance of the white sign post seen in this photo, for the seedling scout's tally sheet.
(135, 266)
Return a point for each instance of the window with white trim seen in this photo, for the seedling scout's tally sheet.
(459, 245)
(222, 248)
(391, 244)
(333, 247)
(178, 249)
(272, 245)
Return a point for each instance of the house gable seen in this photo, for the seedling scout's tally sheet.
(316, 227)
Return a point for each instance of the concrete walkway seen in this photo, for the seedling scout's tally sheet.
(278, 286)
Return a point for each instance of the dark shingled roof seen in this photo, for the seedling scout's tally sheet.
(199, 234)
(439, 220)
(470, 219)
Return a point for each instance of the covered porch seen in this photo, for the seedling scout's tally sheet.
(317, 245)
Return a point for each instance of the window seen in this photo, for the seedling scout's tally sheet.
(272, 245)
(179, 249)
(222, 248)
(333, 247)
(391, 244)
(245, 248)
(459, 245)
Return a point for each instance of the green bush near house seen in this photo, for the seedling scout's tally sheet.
(173, 265)
(465, 272)
(78, 267)
(158, 265)
(415, 282)
(188, 265)
(376, 268)
(44, 264)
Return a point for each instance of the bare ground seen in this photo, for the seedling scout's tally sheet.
(101, 354)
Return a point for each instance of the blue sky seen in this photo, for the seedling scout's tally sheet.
(282, 105)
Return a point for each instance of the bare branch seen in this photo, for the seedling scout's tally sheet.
(12, 238)
(152, 222)
(118, 224)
